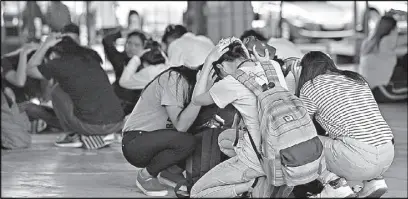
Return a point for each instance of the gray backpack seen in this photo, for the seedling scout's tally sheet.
(15, 125)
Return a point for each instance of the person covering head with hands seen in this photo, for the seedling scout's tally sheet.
(134, 46)
(234, 176)
(162, 115)
(83, 98)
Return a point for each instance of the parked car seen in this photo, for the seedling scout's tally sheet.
(375, 10)
(308, 19)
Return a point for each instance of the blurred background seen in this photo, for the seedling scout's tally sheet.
(336, 27)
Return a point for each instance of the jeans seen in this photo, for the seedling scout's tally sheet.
(35, 111)
(355, 160)
(157, 150)
(221, 181)
(64, 109)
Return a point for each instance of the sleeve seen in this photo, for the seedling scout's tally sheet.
(6, 66)
(138, 80)
(175, 55)
(173, 89)
(113, 55)
(48, 70)
(309, 103)
(225, 91)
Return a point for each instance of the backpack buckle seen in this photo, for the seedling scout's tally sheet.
(288, 118)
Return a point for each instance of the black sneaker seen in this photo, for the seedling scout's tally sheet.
(171, 179)
(150, 186)
(71, 140)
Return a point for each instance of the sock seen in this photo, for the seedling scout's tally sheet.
(145, 174)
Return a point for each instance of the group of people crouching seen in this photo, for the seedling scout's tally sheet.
(161, 89)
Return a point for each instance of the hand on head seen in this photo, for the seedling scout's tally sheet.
(258, 57)
(54, 38)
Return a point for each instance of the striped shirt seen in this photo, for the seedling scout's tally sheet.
(345, 108)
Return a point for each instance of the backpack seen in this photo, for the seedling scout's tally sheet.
(291, 152)
(15, 125)
(207, 153)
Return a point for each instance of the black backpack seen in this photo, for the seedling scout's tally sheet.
(207, 153)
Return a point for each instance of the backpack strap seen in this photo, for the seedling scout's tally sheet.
(249, 82)
(270, 73)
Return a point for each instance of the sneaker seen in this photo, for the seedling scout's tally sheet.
(373, 189)
(336, 189)
(96, 141)
(110, 138)
(150, 186)
(71, 140)
(171, 179)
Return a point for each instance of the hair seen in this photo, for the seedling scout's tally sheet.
(71, 28)
(139, 34)
(155, 55)
(67, 46)
(132, 12)
(383, 28)
(235, 51)
(316, 63)
(174, 31)
(254, 33)
(183, 72)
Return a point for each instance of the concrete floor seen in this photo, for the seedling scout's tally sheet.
(48, 171)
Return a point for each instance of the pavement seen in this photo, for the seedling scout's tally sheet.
(45, 170)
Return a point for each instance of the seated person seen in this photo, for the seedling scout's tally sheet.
(343, 104)
(185, 48)
(162, 116)
(83, 99)
(140, 71)
(25, 88)
(134, 46)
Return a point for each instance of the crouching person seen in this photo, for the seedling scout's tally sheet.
(359, 146)
(83, 99)
(154, 135)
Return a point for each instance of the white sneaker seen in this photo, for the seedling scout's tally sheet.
(336, 189)
(110, 138)
(373, 189)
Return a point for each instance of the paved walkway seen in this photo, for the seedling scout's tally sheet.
(47, 171)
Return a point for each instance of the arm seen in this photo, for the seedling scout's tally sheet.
(19, 77)
(130, 79)
(172, 99)
(201, 95)
(36, 59)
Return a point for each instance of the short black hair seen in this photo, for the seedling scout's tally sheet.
(71, 28)
(139, 34)
(175, 31)
(132, 12)
(252, 32)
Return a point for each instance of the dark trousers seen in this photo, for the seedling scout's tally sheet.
(157, 150)
(64, 109)
(45, 113)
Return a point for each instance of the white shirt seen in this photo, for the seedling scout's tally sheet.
(140, 79)
(189, 50)
(285, 48)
